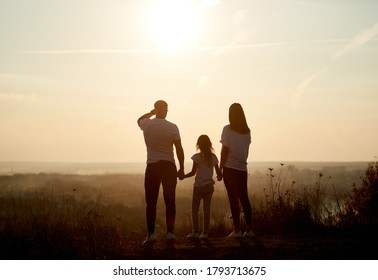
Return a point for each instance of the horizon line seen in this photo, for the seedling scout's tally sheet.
(196, 49)
(143, 162)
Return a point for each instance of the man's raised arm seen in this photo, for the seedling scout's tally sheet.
(146, 116)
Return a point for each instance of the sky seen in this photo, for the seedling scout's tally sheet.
(75, 75)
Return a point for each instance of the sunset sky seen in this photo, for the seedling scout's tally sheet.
(75, 75)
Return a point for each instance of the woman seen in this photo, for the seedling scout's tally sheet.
(236, 138)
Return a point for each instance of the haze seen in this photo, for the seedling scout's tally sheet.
(76, 75)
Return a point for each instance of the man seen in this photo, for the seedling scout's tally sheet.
(160, 136)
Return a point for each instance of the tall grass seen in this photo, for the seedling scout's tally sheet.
(55, 216)
(45, 226)
(288, 206)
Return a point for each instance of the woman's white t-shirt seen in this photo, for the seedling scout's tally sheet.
(238, 148)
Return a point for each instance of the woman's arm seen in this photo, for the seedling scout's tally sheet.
(223, 157)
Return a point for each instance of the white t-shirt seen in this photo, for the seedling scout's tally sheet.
(238, 148)
(204, 174)
(159, 135)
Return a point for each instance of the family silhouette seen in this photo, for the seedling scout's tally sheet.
(162, 137)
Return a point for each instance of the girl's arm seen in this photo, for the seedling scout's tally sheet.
(191, 173)
(219, 173)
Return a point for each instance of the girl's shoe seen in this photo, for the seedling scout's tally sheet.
(235, 234)
(204, 236)
(193, 235)
(171, 236)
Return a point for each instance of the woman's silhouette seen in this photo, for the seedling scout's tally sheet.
(235, 139)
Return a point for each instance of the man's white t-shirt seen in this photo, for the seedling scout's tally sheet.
(159, 135)
(238, 148)
(204, 174)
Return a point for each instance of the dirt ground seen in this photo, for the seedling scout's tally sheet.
(267, 248)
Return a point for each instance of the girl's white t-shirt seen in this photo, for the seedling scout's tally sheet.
(204, 174)
(238, 148)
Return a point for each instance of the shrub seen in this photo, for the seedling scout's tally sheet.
(361, 207)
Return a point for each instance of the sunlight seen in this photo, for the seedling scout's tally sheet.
(173, 23)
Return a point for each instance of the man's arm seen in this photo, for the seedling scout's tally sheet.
(180, 157)
(146, 116)
(219, 173)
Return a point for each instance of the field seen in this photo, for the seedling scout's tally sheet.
(300, 212)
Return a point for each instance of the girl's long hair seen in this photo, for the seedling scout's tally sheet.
(206, 148)
(237, 119)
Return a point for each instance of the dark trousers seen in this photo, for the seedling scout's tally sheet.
(235, 182)
(165, 173)
(203, 193)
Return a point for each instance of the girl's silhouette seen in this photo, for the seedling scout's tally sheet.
(204, 163)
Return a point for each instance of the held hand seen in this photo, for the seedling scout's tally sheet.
(219, 177)
(153, 112)
(181, 174)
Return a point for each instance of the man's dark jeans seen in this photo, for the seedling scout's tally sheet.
(165, 173)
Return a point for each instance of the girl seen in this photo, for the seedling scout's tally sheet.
(204, 163)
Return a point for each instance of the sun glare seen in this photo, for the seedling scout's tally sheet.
(173, 23)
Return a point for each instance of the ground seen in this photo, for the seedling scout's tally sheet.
(268, 248)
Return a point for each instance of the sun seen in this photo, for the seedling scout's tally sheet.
(173, 24)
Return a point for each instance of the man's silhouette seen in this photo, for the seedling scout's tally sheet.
(160, 137)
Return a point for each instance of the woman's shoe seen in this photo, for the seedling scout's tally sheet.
(235, 234)
(249, 234)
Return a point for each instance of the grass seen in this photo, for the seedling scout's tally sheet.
(56, 216)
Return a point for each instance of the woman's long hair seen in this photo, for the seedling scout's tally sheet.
(237, 119)
(206, 147)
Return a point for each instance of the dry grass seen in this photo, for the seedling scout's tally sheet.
(55, 216)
